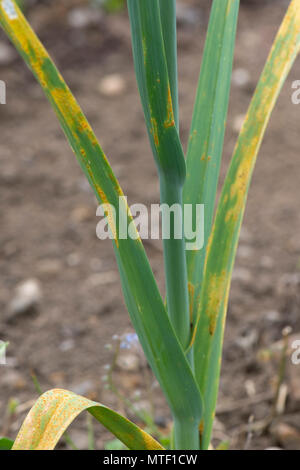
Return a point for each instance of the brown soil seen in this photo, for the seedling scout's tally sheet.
(48, 223)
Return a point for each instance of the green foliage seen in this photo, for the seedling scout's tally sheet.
(111, 6)
(6, 444)
(115, 444)
(21, 4)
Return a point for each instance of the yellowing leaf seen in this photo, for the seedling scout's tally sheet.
(209, 331)
(55, 410)
(142, 296)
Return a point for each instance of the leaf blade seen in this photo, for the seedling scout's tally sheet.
(208, 336)
(56, 409)
(5, 443)
(144, 301)
(153, 82)
(208, 128)
(168, 21)
(151, 68)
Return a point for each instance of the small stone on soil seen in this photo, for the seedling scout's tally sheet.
(128, 362)
(240, 77)
(112, 85)
(286, 435)
(82, 17)
(26, 298)
(83, 388)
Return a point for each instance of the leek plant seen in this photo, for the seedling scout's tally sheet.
(182, 337)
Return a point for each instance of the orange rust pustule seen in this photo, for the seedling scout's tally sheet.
(169, 122)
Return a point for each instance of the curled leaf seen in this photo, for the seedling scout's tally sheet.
(56, 409)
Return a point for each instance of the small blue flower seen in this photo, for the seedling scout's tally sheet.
(129, 340)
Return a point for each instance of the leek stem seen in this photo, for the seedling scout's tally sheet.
(186, 435)
(175, 260)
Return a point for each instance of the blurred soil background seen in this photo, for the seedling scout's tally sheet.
(60, 299)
